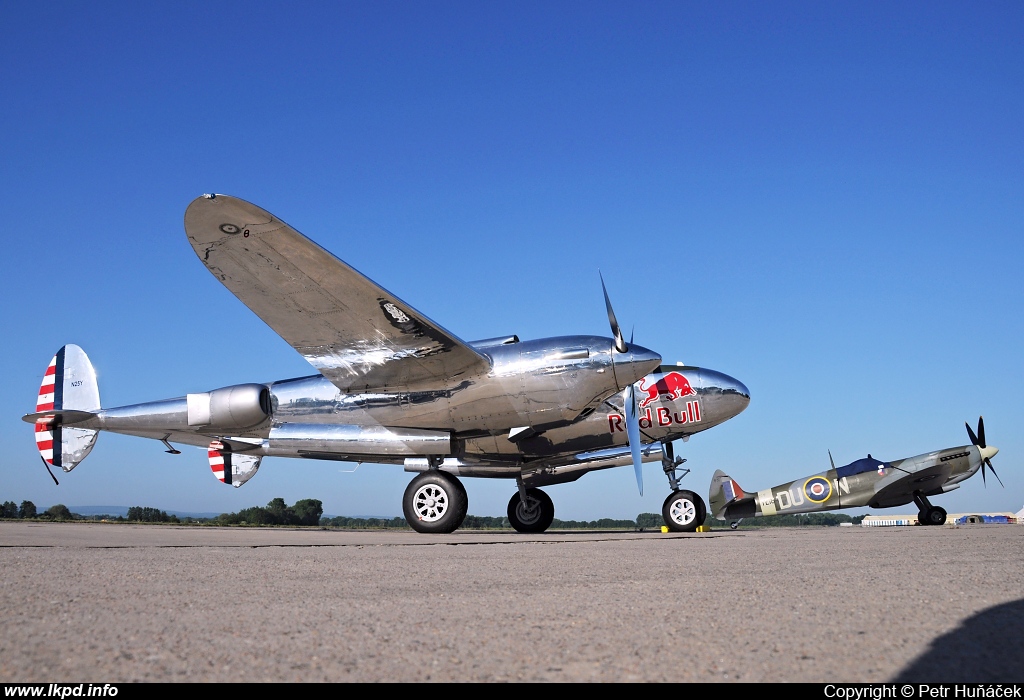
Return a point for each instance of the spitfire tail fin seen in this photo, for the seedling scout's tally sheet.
(68, 395)
(724, 491)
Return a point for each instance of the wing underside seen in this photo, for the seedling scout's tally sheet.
(353, 331)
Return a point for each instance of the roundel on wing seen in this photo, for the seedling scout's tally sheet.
(817, 489)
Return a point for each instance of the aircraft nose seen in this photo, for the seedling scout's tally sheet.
(729, 395)
(989, 452)
(634, 364)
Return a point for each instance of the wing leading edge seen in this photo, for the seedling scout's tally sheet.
(353, 331)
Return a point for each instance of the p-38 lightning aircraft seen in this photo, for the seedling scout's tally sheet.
(396, 388)
(865, 482)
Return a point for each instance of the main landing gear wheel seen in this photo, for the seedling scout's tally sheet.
(435, 502)
(535, 515)
(684, 511)
(932, 516)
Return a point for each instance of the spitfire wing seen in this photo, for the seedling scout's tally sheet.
(353, 331)
(928, 481)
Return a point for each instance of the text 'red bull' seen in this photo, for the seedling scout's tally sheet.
(660, 416)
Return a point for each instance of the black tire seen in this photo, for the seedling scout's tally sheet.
(435, 502)
(934, 516)
(535, 516)
(684, 511)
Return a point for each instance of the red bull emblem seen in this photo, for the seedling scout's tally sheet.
(672, 386)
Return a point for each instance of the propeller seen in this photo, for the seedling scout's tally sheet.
(620, 343)
(633, 434)
(987, 453)
(628, 394)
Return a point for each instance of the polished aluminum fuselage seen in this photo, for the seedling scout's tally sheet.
(566, 391)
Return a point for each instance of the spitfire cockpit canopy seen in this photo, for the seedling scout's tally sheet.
(868, 464)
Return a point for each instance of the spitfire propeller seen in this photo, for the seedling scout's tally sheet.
(628, 395)
(987, 453)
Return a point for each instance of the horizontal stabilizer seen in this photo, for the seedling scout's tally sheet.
(59, 417)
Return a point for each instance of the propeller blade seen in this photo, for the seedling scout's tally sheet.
(970, 433)
(620, 343)
(981, 432)
(633, 434)
(989, 463)
(984, 483)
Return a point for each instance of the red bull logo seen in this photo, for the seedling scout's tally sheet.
(672, 386)
(661, 417)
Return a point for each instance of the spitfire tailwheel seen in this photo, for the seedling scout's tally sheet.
(535, 515)
(435, 502)
(932, 516)
(684, 511)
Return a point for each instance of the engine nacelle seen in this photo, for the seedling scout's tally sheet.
(231, 408)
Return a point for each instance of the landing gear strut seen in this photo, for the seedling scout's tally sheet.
(927, 513)
(683, 511)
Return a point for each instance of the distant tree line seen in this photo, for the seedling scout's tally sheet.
(277, 512)
(139, 514)
(28, 511)
(11, 511)
(368, 523)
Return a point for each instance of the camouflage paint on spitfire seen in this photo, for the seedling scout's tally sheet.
(865, 482)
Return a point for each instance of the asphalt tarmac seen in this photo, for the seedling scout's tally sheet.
(115, 603)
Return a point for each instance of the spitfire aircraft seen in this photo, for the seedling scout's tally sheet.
(394, 387)
(864, 482)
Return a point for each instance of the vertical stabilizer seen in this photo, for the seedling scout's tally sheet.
(69, 384)
(724, 491)
(231, 467)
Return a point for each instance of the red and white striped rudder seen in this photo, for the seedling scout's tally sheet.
(67, 395)
(229, 467)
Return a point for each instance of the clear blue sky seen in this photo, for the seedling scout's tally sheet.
(824, 200)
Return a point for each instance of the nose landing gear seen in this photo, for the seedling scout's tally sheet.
(531, 510)
(683, 511)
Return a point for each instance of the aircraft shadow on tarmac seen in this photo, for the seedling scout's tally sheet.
(984, 649)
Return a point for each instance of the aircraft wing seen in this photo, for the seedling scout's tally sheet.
(928, 480)
(353, 331)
